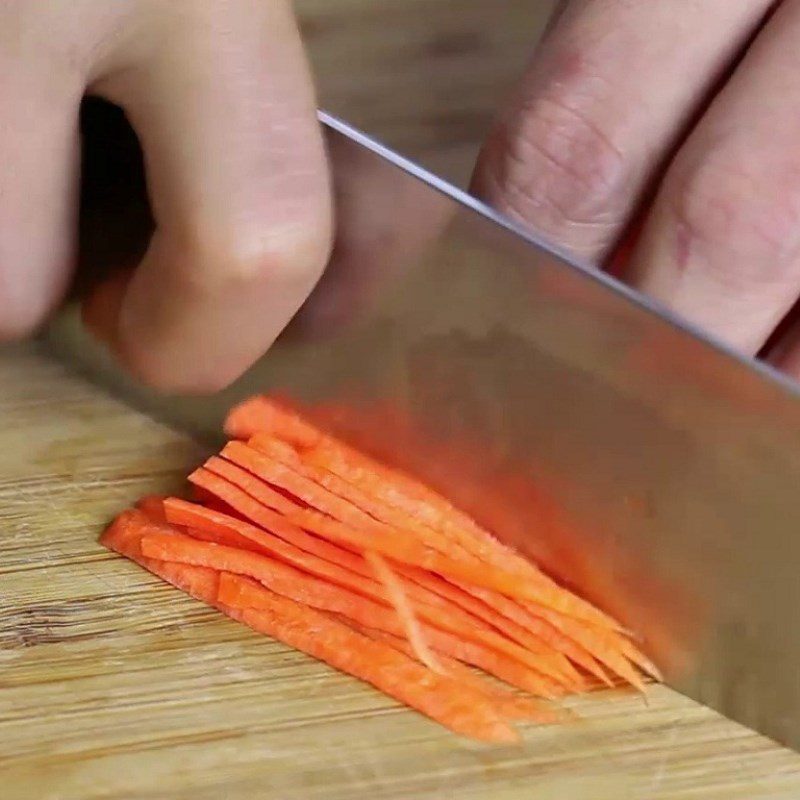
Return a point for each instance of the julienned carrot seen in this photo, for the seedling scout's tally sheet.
(372, 615)
(420, 555)
(263, 414)
(259, 566)
(344, 567)
(512, 706)
(377, 510)
(604, 645)
(124, 536)
(509, 609)
(371, 495)
(405, 493)
(405, 612)
(318, 497)
(455, 705)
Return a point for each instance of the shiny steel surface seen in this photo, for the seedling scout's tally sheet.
(658, 470)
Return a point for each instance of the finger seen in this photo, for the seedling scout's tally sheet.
(385, 221)
(722, 246)
(220, 96)
(607, 95)
(38, 182)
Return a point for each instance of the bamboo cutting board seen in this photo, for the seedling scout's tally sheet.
(114, 685)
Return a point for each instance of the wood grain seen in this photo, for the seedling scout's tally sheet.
(114, 685)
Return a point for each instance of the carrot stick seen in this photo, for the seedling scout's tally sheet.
(544, 631)
(318, 497)
(357, 576)
(419, 555)
(263, 414)
(124, 536)
(460, 707)
(453, 704)
(395, 488)
(604, 645)
(394, 590)
(199, 518)
(372, 615)
(512, 706)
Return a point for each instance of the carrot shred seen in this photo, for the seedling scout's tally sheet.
(219, 527)
(456, 705)
(263, 414)
(125, 535)
(405, 612)
(512, 706)
(302, 537)
(372, 615)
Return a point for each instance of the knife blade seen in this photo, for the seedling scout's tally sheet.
(617, 445)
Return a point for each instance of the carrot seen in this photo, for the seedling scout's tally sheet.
(318, 497)
(420, 555)
(512, 706)
(604, 645)
(544, 631)
(344, 567)
(125, 535)
(404, 493)
(457, 706)
(153, 506)
(257, 565)
(404, 611)
(263, 414)
(324, 597)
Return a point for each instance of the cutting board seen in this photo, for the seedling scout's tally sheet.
(115, 685)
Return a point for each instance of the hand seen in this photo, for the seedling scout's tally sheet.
(220, 97)
(692, 105)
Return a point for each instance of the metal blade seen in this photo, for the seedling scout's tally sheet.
(621, 449)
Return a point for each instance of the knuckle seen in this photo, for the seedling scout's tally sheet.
(291, 254)
(557, 165)
(725, 204)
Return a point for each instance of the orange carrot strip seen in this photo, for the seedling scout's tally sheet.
(153, 506)
(430, 605)
(251, 484)
(200, 518)
(419, 509)
(512, 706)
(372, 615)
(324, 597)
(263, 414)
(411, 496)
(536, 626)
(455, 705)
(124, 536)
(419, 555)
(318, 497)
(604, 645)
(405, 612)
(459, 707)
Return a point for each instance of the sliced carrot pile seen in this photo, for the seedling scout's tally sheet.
(305, 539)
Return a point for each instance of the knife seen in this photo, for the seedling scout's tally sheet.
(622, 449)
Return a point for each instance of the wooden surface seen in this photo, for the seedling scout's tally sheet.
(114, 685)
